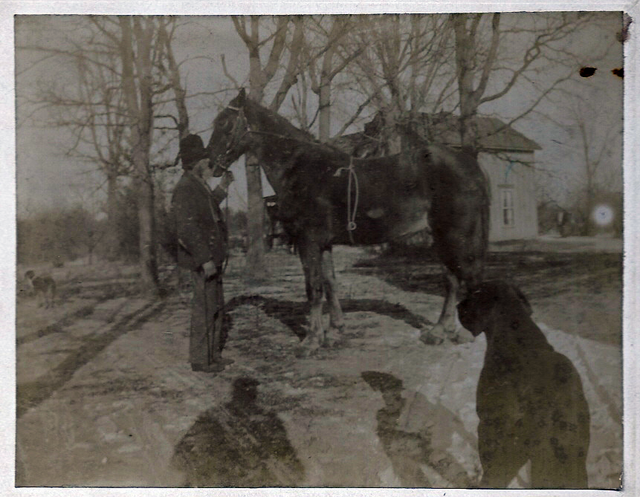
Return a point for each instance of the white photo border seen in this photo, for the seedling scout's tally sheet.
(631, 311)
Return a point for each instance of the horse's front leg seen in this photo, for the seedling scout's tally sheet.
(312, 265)
(331, 292)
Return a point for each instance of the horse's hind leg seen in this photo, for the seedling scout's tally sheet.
(446, 325)
(312, 266)
(330, 289)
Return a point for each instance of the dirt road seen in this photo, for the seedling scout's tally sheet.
(107, 398)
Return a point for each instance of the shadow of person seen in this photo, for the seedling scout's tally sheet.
(417, 436)
(238, 445)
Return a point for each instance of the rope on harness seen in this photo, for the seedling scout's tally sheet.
(351, 213)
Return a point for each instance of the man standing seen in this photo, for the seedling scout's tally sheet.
(202, 248)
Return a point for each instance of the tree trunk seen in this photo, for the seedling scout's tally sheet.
(394, 141)
(465, 74)
(112, 238)
(139, 103)
(255, 203)
(255, 226)
(325, 112)
(148, 252)
(469, 71)
(325, 97)
(146, 206)
(589, 224)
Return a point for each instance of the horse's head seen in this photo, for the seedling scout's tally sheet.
(230, 136)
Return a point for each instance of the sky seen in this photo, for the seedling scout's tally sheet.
(47, 178)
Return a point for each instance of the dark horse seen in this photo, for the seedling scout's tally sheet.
(318, 187)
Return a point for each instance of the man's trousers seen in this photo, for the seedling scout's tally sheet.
(207, 315)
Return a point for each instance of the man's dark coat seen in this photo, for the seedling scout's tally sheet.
(202, 233)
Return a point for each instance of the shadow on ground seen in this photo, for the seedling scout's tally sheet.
(295, 314)
(238, 445)
(536, 272)
(419, 457)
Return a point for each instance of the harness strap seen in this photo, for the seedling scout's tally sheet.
(226, 259)
(351, 213)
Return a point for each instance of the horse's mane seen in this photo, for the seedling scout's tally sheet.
(280, 124)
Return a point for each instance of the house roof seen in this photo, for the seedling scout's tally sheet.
(493, 134)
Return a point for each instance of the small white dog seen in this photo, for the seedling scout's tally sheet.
(43, 287)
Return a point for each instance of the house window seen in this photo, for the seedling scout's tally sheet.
(508, 217)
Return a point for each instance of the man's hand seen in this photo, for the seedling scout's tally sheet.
(226, 180)
(209, 269)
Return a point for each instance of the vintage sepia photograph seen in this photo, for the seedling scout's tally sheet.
(301, 251)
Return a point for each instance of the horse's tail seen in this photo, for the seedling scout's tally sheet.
(483, 234)
(478, 242)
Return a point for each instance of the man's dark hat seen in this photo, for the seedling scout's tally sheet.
(191, 151)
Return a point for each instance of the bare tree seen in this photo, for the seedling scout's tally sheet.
(136, 49)
(404, 67)
(325, 57)
(456, 63)
(93, 111)
(488, 68)
(123, 82)
(597, 134)
(171, 70)
(259, 77)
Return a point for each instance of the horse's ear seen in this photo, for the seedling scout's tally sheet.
(523, 300)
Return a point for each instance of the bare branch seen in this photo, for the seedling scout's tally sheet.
(491, 57)
(276, 50)
(292, 70)
(355, 116)
(241, 29)
(226, 72)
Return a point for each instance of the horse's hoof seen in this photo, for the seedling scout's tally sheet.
(462, 336)
(337, 327)
(434, 336)
(428, 338)
(334, 338)
(307, 348)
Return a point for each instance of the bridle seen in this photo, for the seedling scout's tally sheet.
(240, 130)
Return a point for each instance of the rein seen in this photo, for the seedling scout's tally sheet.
(351, 214)
(248, 129)
(284, 137)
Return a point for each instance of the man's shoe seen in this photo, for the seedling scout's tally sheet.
(223, 361)
(216, 367)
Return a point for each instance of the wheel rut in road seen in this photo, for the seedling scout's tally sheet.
(32, 394)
